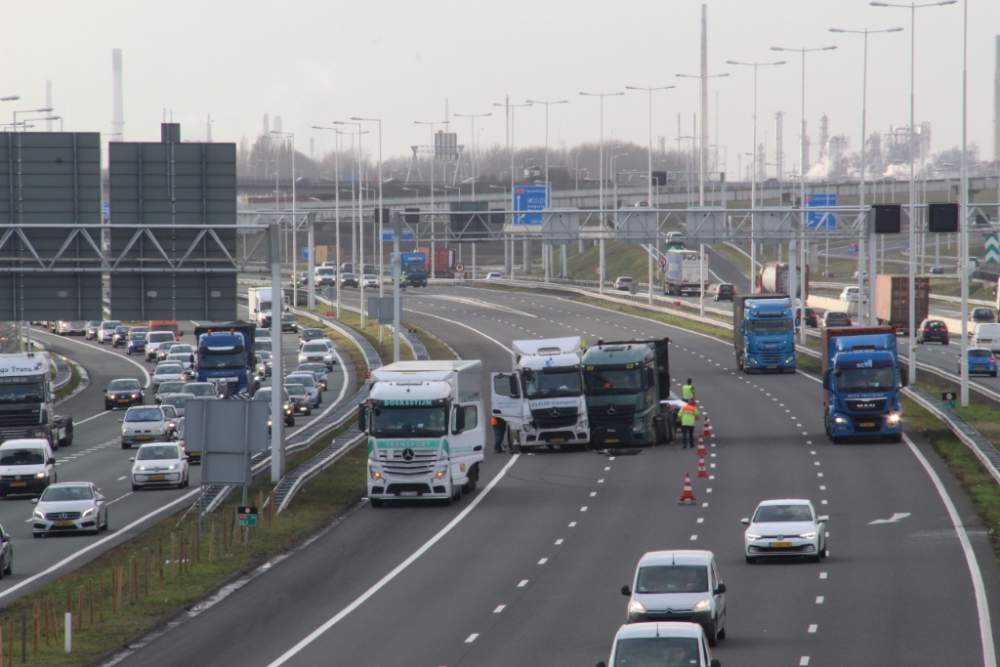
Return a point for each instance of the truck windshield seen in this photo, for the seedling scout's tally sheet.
(864, 379)
(659, 651)
(550, 384)
(394, 422)
(22, 393)
(265, 306)
(613, 381)
(770, 326)
(208, 360)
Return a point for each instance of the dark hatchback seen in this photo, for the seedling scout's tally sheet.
(811, 318)
(725, 292)
(934, 331)
(123, 394)
(289, 323)
(835, 318)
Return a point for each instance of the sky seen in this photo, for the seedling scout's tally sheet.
(311, 62)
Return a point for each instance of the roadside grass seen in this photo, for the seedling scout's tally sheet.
(619, 260)
(978, 289)
(741, 261)
(436, 349)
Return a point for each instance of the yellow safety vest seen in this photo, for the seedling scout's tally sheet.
(689, 414)
(687, 391)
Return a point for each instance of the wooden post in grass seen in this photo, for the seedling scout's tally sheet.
(55, 623)
(10, 640)
(45, 618)
(90, 598)
(211, 542)
(114, 587)
(145, 572)
(100, 606)
(197, 538)
(121, 586)
(232, 529)
(133, 582)
(270, 509)
(183, 559)
(173, 555)
(79, 610)
(159, 552)
(35, 629)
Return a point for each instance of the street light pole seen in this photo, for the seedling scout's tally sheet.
(547, 248)
(381, 227)
(753, 170)
(361, 223)
(474, 157)
(802, 188)
(432, 123)
(913, 7)
(872, 240)
(295, 264)
(703, 135)
(600, 228)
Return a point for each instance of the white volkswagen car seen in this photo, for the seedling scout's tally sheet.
(166, 371)
(153, 341)
(145, 423)
(159, 464)
(661, 644)
(70, 507)
(781, 528)
(318, 352)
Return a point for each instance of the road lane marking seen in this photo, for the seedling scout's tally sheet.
(127, 358)
(543, 561)
(822, 575)
(694, 537)
(315, 634)
(122, 477)
(583, 509)
(524, 582)
(499, 608)
(593, 493)
(895, 518)
(701, 519)
(819, 599)
(559, 541)
(471, 638)
(822, 487)
(84, 421)
(600, 481)
(813, 628)
(704, 504)
(804, 660)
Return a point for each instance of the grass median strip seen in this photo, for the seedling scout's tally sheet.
(74, 382)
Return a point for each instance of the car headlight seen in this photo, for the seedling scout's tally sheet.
(703, 605)
(636, 607)
(808, 536)
(173, 467)
(41, 475)
(158, 429)
(127, 431)
(752, 537)
(135, 395)
(87, 512)
(38, 514)
(139, 468)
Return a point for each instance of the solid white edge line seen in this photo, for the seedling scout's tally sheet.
(116, 535)
(99, 348)
(982, 606)
(438, 317)
(315, 634)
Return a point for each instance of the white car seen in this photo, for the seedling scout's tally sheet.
(317, 351)
(782, 528)
(494, 275)
(107, 330)
(202, 390)
(166, 371)
(185, 359)
(178, 400)
(662, 644)
(153, 341)
(74, 328)
(70, 507)
(682, 585)
(159, 464)
(370, 280)
(262, 334)
(850, 294)
(143, 423)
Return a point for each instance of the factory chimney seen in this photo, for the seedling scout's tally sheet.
(779, 155)
(118, 112)
(48, 104)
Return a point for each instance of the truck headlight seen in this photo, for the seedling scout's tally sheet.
(527, 427)
(375, 474)
(638, 426)
(584, 423)
(703, 605)
(636, 607)
(439, 474)
(839, 420)
(893, 418)
(790, 359)
(41, 475)
(751, 361)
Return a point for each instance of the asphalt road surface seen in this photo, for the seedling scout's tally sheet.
(527, 570)
(96, 456)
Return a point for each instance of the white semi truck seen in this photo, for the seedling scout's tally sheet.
(259, 303)
(426, 431)
(541, 403)
(684, 275)
(27, 401)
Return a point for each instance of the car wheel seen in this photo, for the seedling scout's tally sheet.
(126, 445)
(377, 502)
(107, 406)
(751, 560)
(722, 632)
(712, 634)
(187, 481)
(136, 489)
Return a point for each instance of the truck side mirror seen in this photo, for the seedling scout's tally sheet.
(363, 418)
(459, 419)
(515, 389)
(826, 381)
(904, 379)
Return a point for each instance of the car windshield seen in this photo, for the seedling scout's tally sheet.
(311, 334)
(672, 579)
(782, 513)
(177, 400)
(770, 326)
(863, 379)
(168, 369)
(262, 346)
(982, 315)
(110, 325)
(296, 389)
(179, 356)
(170, 387)
(657, 652)
(160, 336)
(200, 389)
(315, 347)
(178, 348)
(60, 494)
(121, 330)
(221, 360)
(312, 368)
(980, 353)
(552, 383)
(262, 395)
(603, 381)
(157, 452)
(138, 335)
(287, 319)
(725, 289)
(144, 415)
(304, 380)
(22, 457)
(123, 385)
(33, 392)
(397, 421)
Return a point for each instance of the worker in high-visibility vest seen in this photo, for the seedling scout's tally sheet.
(689, 415)
(687, 391)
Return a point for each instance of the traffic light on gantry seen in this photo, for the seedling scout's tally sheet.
(887, 218)
(942, 218)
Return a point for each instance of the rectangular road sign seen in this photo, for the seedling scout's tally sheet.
(388, 234)
(530, 198)
(246, 517)
(824, 219)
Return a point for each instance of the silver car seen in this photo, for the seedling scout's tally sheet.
(166, 371)
(141, 424)
(159, 464)
(203, 390)
(782, 528)
(154, 340)
(316, 352)
(70, 507)
(185, 359)
(74, 328)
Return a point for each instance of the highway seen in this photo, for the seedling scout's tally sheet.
(96, 456)
(527, 570)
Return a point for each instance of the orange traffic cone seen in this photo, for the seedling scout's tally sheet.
(687, 497)
(702, 472)
(707, 430)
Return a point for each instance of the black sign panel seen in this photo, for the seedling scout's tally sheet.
(942, 218)
(887, 218)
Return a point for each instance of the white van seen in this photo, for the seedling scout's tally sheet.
(986, 335)
(107, 330)
(27, 465)
(670, 644)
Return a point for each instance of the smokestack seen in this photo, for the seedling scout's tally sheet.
(267, 125)
(277, 124)
(779, 155)
(703, 149)
(824, 137)
(804, 158)
(118, 111)
(48, 104)
(996, 104)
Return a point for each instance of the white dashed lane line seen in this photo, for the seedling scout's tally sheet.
(524, 582)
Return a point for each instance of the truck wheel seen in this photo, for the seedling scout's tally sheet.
(377, 502)
(456, 494)
(896, 438)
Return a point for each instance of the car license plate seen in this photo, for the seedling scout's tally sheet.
(558, 440)
(771, 368)
(144, 437)
(611, 440)
(408, 493)
(867, 424)
(781, 544)
(157, 478)
(985, 340)
(19, 484)
(64, 524)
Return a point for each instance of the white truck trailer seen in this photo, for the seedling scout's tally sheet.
(27, 401)
(685, 274)
(541, 403)
(426, 430)
(259, 304)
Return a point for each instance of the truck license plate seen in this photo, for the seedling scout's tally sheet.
(19, 484)
(868, 424)
(611, 440)
(407, 493)
(558, 440)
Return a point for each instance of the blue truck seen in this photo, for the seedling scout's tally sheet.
(414, 269)
(764, 333)
(225, 354)
(861, 383)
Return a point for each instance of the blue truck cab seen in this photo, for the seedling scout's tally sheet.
(414, 266)
(225, 355)
(861, 383)
(764, 333)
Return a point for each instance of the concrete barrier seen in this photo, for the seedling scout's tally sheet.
(826, 303)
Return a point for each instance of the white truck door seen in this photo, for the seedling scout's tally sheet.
(506, 403)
